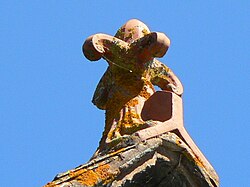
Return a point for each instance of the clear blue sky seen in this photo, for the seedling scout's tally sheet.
(47, 121)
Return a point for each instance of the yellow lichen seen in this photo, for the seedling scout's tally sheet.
(132, 102)
(194, 159)
(128, 120)
(89, 178)
(144, 93)
(104, 174)
(145, 31)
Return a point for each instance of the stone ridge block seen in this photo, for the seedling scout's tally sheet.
(160, 161)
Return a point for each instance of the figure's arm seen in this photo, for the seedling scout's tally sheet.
(163, 77)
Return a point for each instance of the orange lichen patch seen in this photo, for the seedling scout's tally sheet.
(150, 85)
(130, 123)
(132, 128)
(178, 141)
(92, 177)
(144, 93)
(129, 117)
(127, 124)
(89, 178)
(132, 102)
(198, 161)
(145, 31)
(104, 174)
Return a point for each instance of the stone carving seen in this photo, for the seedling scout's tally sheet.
(128, 81)
(144, 142)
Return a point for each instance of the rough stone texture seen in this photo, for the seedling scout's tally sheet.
(161, 161)
(129, 79)
(144, 141)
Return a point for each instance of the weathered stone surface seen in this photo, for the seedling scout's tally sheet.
(144, 141)
(130, 77)
(162, 161)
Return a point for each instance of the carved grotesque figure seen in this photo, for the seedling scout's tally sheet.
(130, 77)
(144, 142)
